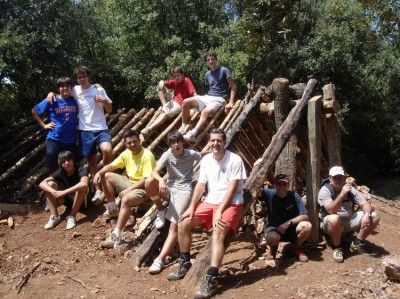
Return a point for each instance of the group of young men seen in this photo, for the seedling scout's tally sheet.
(216, 202)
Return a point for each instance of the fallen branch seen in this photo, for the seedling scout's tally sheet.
(25, 277)
(79, 281)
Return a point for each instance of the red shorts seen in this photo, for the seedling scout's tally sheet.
(231, 216)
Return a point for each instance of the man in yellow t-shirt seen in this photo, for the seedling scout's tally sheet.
(138, 163)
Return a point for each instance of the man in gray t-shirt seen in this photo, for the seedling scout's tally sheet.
(337, 199)
(177, 190)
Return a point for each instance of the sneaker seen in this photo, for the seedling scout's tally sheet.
(146, 131)
(71, 222)
(96, 200)
(338, 255)
(208, 287)
(53, 222)
(301, 255)
(160, 219)
(271, 255)
(190, 136)
(180, 270)
(110, 241)
(156, 267)
(358, 248)
(107, 215)
(182, 129)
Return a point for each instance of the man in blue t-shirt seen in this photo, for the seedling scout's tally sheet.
(62, 119)
(287, 217)
(221, 86)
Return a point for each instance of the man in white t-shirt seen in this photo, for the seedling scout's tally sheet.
(223, 173)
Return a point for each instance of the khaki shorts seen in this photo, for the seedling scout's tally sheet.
(209, 101)
(171, 108)
(138, 196)
(179, 201)
(351, 224)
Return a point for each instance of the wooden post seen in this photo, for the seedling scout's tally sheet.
(333, 138)
(314, 118)
(256, 179)
(286, 162)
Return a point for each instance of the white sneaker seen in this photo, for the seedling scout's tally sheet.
(160, 219)
(71, 222)
(53, 222)
(190, 136)
(96, 200)
(182, 129)
(107, 215)
(111, 241)
(156, 267)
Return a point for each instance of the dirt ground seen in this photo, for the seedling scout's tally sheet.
(74, 266)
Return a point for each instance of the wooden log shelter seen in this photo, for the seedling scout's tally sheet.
(293, 129)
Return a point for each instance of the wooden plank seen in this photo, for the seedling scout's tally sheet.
(314, 164)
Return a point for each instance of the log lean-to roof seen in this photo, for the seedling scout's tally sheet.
(22, 159)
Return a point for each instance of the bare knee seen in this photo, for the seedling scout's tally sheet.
(272, 238)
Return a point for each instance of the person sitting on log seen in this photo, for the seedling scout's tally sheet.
(177, 190)
(337, 199)
(183, 88)
(223, 173)
(287, 218)
(219, 81)
(62, 116)
(138, 163)
(68, 186)
(93, 131)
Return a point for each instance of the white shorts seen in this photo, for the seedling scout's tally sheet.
(179, 201)
(348, 224)
(171, 108)
(209, 101)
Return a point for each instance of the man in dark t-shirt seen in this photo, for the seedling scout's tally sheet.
(287, 217)
(68, 186)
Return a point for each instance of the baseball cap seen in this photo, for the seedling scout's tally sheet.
(282, 178)
(336, 170)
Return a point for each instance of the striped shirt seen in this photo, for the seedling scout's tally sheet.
(179, 168)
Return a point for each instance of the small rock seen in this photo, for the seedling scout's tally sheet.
(370, 270)
(137, 269)
(128, 254)
(391, 267)
(99, 222)
(76, 234)
(153, 289)
(47, 260)
(94, 291)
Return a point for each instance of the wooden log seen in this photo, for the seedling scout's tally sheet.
(314, 119)
(32, 180)
(267, 108)
(236, 114)
(297, 90)
(333, 138)
(165, 132)
(117, 128)
(147, 219)
(23, 161)
(286, 162)
(244, 116)
(256, 179)
(146, 249)
(330, 104)
(114, 119)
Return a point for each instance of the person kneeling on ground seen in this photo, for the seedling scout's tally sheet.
(68, 186)
(287, 218)
(223, 172)
(336, 199)
(177, 190)
(138, 163)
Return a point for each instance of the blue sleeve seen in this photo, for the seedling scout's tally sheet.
(267, 195)
(227, 73)
(42, 107)
(300, 205)
(83, 172)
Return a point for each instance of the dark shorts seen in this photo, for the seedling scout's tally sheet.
(289, 235)
(53, 148)
(88, 140)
